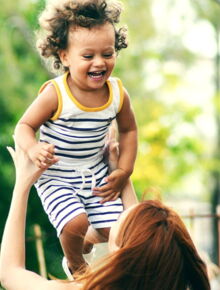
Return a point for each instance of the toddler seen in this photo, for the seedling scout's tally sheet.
(73, 113)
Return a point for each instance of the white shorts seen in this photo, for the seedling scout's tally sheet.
(65, 196)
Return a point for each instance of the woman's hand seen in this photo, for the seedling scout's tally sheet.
(117, 178)
(112, 148)
(26, 171)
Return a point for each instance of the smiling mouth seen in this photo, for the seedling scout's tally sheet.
(97, 74)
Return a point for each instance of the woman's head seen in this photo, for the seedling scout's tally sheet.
(153, 250)
(62, 15)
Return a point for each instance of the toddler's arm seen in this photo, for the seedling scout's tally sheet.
(128, 194)
(127, 148)
(127, 137)
(44, 106)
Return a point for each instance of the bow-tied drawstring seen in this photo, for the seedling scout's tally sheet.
(82, 172)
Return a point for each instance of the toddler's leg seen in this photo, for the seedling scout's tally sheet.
(104, 233)
(71, 239)
(94, 236)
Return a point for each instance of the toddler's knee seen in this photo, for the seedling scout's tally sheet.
(104, 232)
(78, 226)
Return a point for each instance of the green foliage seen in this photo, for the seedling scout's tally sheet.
(166, 154)
(21, 74)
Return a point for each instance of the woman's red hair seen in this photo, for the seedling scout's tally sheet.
(155, 253)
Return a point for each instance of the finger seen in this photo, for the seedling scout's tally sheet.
(11, 152)
(47, 154)
(45, 163)
(113, 146)
(37, 163)
(112, 132)
(104, 194)
(110, 178)
(48, 161)
(52, 161)
(41, 165)
(116, 195)
(113, 155)
(13, 136)
(101, 188)
(43, 158)
(111, 197)
(106, 199)
(49, 148)
(17, 148)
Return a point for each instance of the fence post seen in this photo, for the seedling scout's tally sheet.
(218, 230)
(40, 251)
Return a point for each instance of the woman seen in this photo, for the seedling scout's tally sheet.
(149, 246)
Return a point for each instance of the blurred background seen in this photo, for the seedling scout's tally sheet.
(172, 72)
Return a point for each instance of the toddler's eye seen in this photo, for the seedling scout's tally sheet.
(87, 56)
(108, 55)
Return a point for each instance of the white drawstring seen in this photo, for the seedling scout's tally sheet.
(82, 172)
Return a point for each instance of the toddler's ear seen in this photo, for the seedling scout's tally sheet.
(63, 54)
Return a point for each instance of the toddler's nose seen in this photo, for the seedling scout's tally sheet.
(99, 62)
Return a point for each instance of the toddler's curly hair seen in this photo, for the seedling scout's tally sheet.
(60, 15)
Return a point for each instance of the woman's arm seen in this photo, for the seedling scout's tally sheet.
(128, 195)
(13, 275)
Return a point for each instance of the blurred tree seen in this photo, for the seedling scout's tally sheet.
(165, 157)
(209, 10)
(21, 75)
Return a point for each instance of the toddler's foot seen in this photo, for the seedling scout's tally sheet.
(87, 247)
(90, 256)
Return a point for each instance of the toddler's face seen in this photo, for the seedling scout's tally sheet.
(90, 55)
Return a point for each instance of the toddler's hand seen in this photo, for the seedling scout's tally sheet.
(42, 154)
(115, 182)
(26, 171)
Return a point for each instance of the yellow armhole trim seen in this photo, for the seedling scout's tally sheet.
(43, 86)
(60, 103)
(84, 108)
(121, 91)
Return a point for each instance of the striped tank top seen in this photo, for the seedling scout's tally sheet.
(79, 132)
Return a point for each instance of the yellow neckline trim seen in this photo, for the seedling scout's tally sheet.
(84, 108)
(121, 90)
